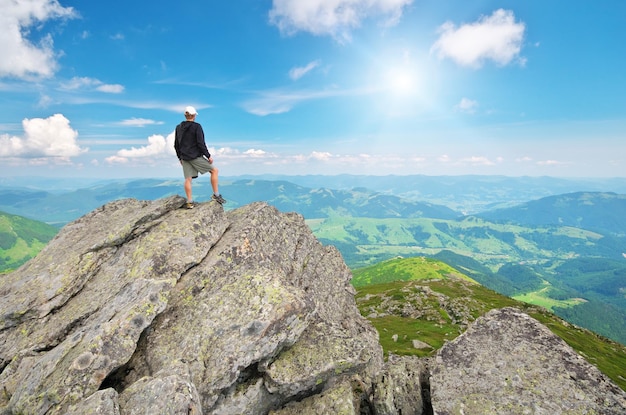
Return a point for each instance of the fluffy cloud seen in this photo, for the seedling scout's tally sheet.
(20, 57)
(255, 153)
(49, 137)
(158, 146)
(332, 17)
(497, 37)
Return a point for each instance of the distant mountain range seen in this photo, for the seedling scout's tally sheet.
(59, 208)
(59, 201)
(467, 194)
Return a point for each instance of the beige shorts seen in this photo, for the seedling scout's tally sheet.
(191, 168)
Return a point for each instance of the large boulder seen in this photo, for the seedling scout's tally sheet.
(509, 363)
(142, 306)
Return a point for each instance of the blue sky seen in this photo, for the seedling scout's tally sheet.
(95, 89)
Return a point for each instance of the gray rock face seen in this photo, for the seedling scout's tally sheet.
(402, 387)
(144, 308)
(509, 363)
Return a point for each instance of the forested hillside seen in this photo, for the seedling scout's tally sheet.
(21, 239)
(595, 211)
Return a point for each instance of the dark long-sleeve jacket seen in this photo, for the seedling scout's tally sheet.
(189, 141)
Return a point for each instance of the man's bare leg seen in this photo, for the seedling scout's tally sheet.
(214, 182)
(188, 189)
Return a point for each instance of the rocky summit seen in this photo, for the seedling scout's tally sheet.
(141, 307)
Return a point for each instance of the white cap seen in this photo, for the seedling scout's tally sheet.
(190, 110)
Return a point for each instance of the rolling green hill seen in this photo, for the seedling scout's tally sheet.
(21, 239)
(578, 274)
(405, 269)
(415, 314)
(370, 240)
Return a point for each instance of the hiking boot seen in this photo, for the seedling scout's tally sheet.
(219, 199)
(189, 205)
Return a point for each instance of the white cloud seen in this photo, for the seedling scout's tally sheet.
(227, 155)
(255, 153)
(321, 155)
(497, 37)
(139, 122)
(467, 105)
(22, 58)
(44, 101)
(552, 163)
(111, 88)
(332, 17)
(480, 161)
(298, 72)
(270, 105)
(278, 102)
(158, 146)
(49, 137)
(77, 83)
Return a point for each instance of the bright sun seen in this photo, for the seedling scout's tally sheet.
(401, 81)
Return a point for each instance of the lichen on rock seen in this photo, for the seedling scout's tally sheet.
(142, 302)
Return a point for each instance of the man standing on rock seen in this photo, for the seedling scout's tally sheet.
(194, 155)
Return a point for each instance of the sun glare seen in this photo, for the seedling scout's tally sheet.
(401, 81)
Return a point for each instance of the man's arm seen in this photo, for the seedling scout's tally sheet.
(176, 143)
(201, 143)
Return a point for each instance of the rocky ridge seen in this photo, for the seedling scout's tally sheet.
(141, 307)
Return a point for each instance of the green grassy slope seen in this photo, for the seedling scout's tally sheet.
(21, 239)
(578, 274)
(405, 269)
(430, 311)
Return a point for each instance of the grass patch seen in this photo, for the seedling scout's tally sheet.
(540, 298)
(397, 335)
(405, 269)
